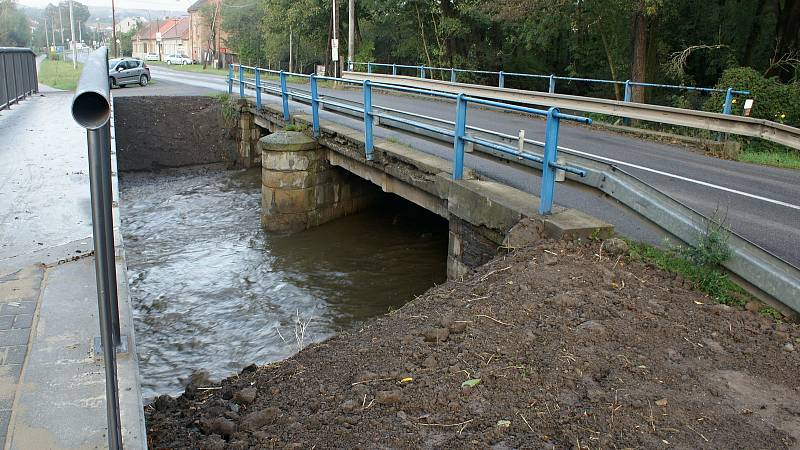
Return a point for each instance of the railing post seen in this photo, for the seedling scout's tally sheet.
(394, 69)
(552, 87)
(14, 79)
(501, 79)
(369, 67)
(258, 88)
(452, 75)
(627, 99)
(5, 77)
(550, 156)
(726, 108)
(458, 141)
(314, 105)
(241, 80)
(350, 66)
(230, 79)
(368, 120)
(422, 71)
(284, 97)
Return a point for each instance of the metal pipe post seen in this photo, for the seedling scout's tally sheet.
(550, 156)
(422, 71)
(230, 79)
(258, 88)
(368, 120)
(284, 97)
(369, 67)
(458, 141)
(241, 80)
(98, 143)
(501, 79)
(314, 105)
(394, 69)
(726, 108)
(452, 75)
(108, 255)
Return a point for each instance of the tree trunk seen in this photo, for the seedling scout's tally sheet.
(639, 62)
(617, 90)
(752, 36)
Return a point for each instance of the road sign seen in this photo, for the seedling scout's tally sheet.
(335, 49)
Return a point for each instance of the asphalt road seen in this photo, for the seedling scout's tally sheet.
(760, 203)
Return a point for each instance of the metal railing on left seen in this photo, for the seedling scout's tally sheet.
(91, 108)
(18, 77)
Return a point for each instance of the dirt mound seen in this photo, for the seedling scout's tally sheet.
(549, 347)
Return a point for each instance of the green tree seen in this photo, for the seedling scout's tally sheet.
(15, 30)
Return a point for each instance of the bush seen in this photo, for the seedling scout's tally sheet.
(772, 100)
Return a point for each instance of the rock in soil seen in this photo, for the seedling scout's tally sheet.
(627, 358)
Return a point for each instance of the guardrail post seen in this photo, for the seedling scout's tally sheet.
(258, 88)
(369, 67)
(726, 108)
(368, 120)
(552, 87)
(501, 79)
(284, 97)
(314, 105)
(458, 141)
(550, 156)
(394, 69)
(452, 75)
(350, 66)
(627, 99)
(230, 79)
(422, 71)
(241, 80)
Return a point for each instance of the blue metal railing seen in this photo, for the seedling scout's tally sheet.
(459, 134)
(420, 71)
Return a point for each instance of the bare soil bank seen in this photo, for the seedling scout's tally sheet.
(571, 350)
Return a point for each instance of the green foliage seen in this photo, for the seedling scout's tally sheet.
(14, 29)
(786, 159)
(712, 248)
(772, 100)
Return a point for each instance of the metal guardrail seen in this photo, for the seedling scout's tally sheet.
(743, 126)
(459, 135)
(18, 78)
(501, 80)
(91, 108)
(773, 276)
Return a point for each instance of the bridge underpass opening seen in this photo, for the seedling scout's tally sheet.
(212, 290)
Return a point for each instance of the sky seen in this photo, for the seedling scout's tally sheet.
(169, 5)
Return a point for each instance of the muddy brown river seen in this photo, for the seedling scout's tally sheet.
(212, 291)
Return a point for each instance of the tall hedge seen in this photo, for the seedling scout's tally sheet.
(772, 100)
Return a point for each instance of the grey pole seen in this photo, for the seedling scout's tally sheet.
(351, 32)
(72, 38)
(91, 108)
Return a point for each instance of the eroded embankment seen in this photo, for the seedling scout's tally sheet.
(571, 350)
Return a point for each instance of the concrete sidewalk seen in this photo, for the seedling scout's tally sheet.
(52, 386)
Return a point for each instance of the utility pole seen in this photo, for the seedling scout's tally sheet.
(351, 31)
(72, 36)
(80, 32)
(46, 36)
(114, 28)
(335, 43)
(61, 22)
(291, 60)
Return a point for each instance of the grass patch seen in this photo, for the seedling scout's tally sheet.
(711, 280)
(59, 74)
(786, 160)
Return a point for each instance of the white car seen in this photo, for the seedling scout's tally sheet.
(151, 57)
(178, 59)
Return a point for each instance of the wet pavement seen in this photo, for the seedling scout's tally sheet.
(212, 291)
